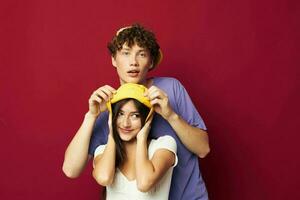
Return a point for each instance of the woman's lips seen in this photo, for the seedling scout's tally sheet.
(125, 130)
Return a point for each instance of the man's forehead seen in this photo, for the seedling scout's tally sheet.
(135, 46)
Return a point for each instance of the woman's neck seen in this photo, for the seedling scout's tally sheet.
(130, 147)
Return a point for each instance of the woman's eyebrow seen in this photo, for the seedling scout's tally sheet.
(135, 111)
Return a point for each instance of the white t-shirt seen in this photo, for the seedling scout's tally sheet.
(123, 189)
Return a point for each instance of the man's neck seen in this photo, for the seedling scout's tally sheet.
(147, 83)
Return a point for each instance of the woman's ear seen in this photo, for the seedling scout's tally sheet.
(113, 61)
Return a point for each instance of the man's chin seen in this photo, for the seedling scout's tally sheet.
(131, 80)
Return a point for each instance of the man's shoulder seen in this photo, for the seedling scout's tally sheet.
(163, 80)
(167, 83)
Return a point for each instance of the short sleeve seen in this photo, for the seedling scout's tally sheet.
(100, 132)
(185, 107)
(165, 142)
(99, 150)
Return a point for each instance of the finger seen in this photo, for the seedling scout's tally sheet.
(156, 101)
(110, 121)
(152, 88)
(108, 87)
(95, 98)
(108, 92)
(101, 94)
(155, 94)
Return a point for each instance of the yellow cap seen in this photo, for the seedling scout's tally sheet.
(131, 90)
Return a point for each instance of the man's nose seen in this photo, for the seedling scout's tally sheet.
(133, 60)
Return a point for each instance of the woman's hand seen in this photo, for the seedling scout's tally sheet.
(97, 101)
(110, 124)
(144, 132)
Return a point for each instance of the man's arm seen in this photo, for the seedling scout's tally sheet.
(76, 155)
(195, 139)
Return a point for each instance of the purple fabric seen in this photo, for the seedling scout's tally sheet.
(187, 182)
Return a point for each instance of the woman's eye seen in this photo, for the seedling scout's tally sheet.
(135, 115)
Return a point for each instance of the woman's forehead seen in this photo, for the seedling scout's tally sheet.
(129, 106)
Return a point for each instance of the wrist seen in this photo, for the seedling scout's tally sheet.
(110, 139)
(172, 117)
(89, 115)
(141, 139)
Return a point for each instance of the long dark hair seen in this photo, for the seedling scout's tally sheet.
(143, 111)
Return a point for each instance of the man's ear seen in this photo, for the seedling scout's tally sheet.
(151, 66)
(113, 62)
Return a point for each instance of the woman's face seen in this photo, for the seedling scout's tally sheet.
(128, 121)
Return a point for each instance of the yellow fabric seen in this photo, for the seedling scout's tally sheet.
(131, 90)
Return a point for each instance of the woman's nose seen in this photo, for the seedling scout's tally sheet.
(126, 121)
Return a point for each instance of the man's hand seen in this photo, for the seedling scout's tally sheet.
(97, 101)
(160, 101)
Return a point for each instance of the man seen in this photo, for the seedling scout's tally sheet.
(134, 52)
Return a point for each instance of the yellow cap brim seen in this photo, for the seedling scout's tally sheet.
(133, 91)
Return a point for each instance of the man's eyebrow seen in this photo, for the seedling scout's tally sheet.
(143, 50)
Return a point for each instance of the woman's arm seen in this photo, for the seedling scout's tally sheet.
(149, 172)
(104, 164)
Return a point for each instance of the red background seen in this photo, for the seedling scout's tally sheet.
(239, 60)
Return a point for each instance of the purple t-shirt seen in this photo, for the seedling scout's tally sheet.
(187, 182)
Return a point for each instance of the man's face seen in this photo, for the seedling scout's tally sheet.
(132, 64)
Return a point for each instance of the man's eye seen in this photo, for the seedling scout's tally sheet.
(120, 114)
(143, 54)
(125, 53)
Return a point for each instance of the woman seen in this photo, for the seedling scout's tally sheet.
(130, 165)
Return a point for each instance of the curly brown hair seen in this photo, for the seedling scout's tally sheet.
(136, 34)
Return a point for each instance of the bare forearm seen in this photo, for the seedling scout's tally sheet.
(76, 155)
(195, 139)
(144, 167)
(104, 165)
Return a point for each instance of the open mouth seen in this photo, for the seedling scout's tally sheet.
(133, 73)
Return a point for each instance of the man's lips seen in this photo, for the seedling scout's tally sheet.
(133, 73)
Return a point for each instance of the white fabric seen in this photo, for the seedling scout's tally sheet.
(124, 189)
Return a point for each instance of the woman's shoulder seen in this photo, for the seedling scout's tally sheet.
(163, 142)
